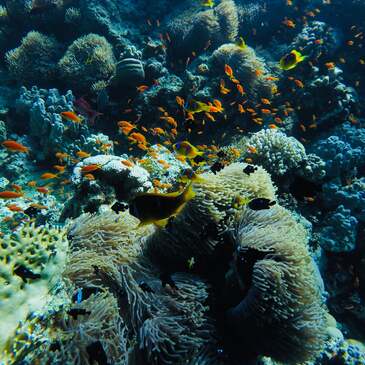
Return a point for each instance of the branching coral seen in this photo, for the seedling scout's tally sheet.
(34, 61)
(32, 260)
(87, 60)
(281, 312)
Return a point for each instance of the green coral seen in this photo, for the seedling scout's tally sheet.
(35, 60)
(40, 250)
(88, 59)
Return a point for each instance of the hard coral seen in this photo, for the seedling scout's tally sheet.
(87, 60)
(35, 60)
(248, 68)
(276, 152)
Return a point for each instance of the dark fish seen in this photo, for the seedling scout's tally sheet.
(31, 212)
(97, 353)
(118, 207)
(25, 273)
(260, 204)
(249, 169)
(145, 287)
(85, 109)
(216, 167)
(166, 279)
(158, 207)
(221, 154)
(198, 159)
(74, 312)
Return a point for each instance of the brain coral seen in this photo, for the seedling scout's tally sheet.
(281, 313)
(35, 60)
(32, 260)
(276, 152)
(87, 60)
(245, 64)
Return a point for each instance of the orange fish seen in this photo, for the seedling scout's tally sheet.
(43, 190)
(272, 126)
(142, 146)
(330, 65)
(82, 154)
(124, 123)
(89, 177)
(126, 130)
(62, 156)
(48, 176)
(14, 208)
(299, 83)
(170, 120)
(240, 89)
(289, 23)
(157, 131)
(278, 120)
(142, 88)
(258, 72)
(71, 116)
(223, 89)
(241, 109)
(251, 149)
(127, 163)
(265, 101)
(16, 187)
(59, 168)
(14, 146)
(90, 168)
(180, 101)
(38, 206)
(228, 70)
(32, 184)
(209, 116)
(266, 111)
(7, 194)
(138, 137)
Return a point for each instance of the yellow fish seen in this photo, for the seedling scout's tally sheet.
(291, 60)
(190, 175)
(208, 3)
(157, 208)
(186, 149)
(241, 43)
(198, 107)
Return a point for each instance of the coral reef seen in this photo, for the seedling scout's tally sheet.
(246, 64)
(112, 180)
(32, 259)
(87, 60)
(35, 60)
(280, 283)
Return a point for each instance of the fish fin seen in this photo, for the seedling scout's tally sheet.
(161, 223)
(188, 193)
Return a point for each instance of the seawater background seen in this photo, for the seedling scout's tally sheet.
(88, 56)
